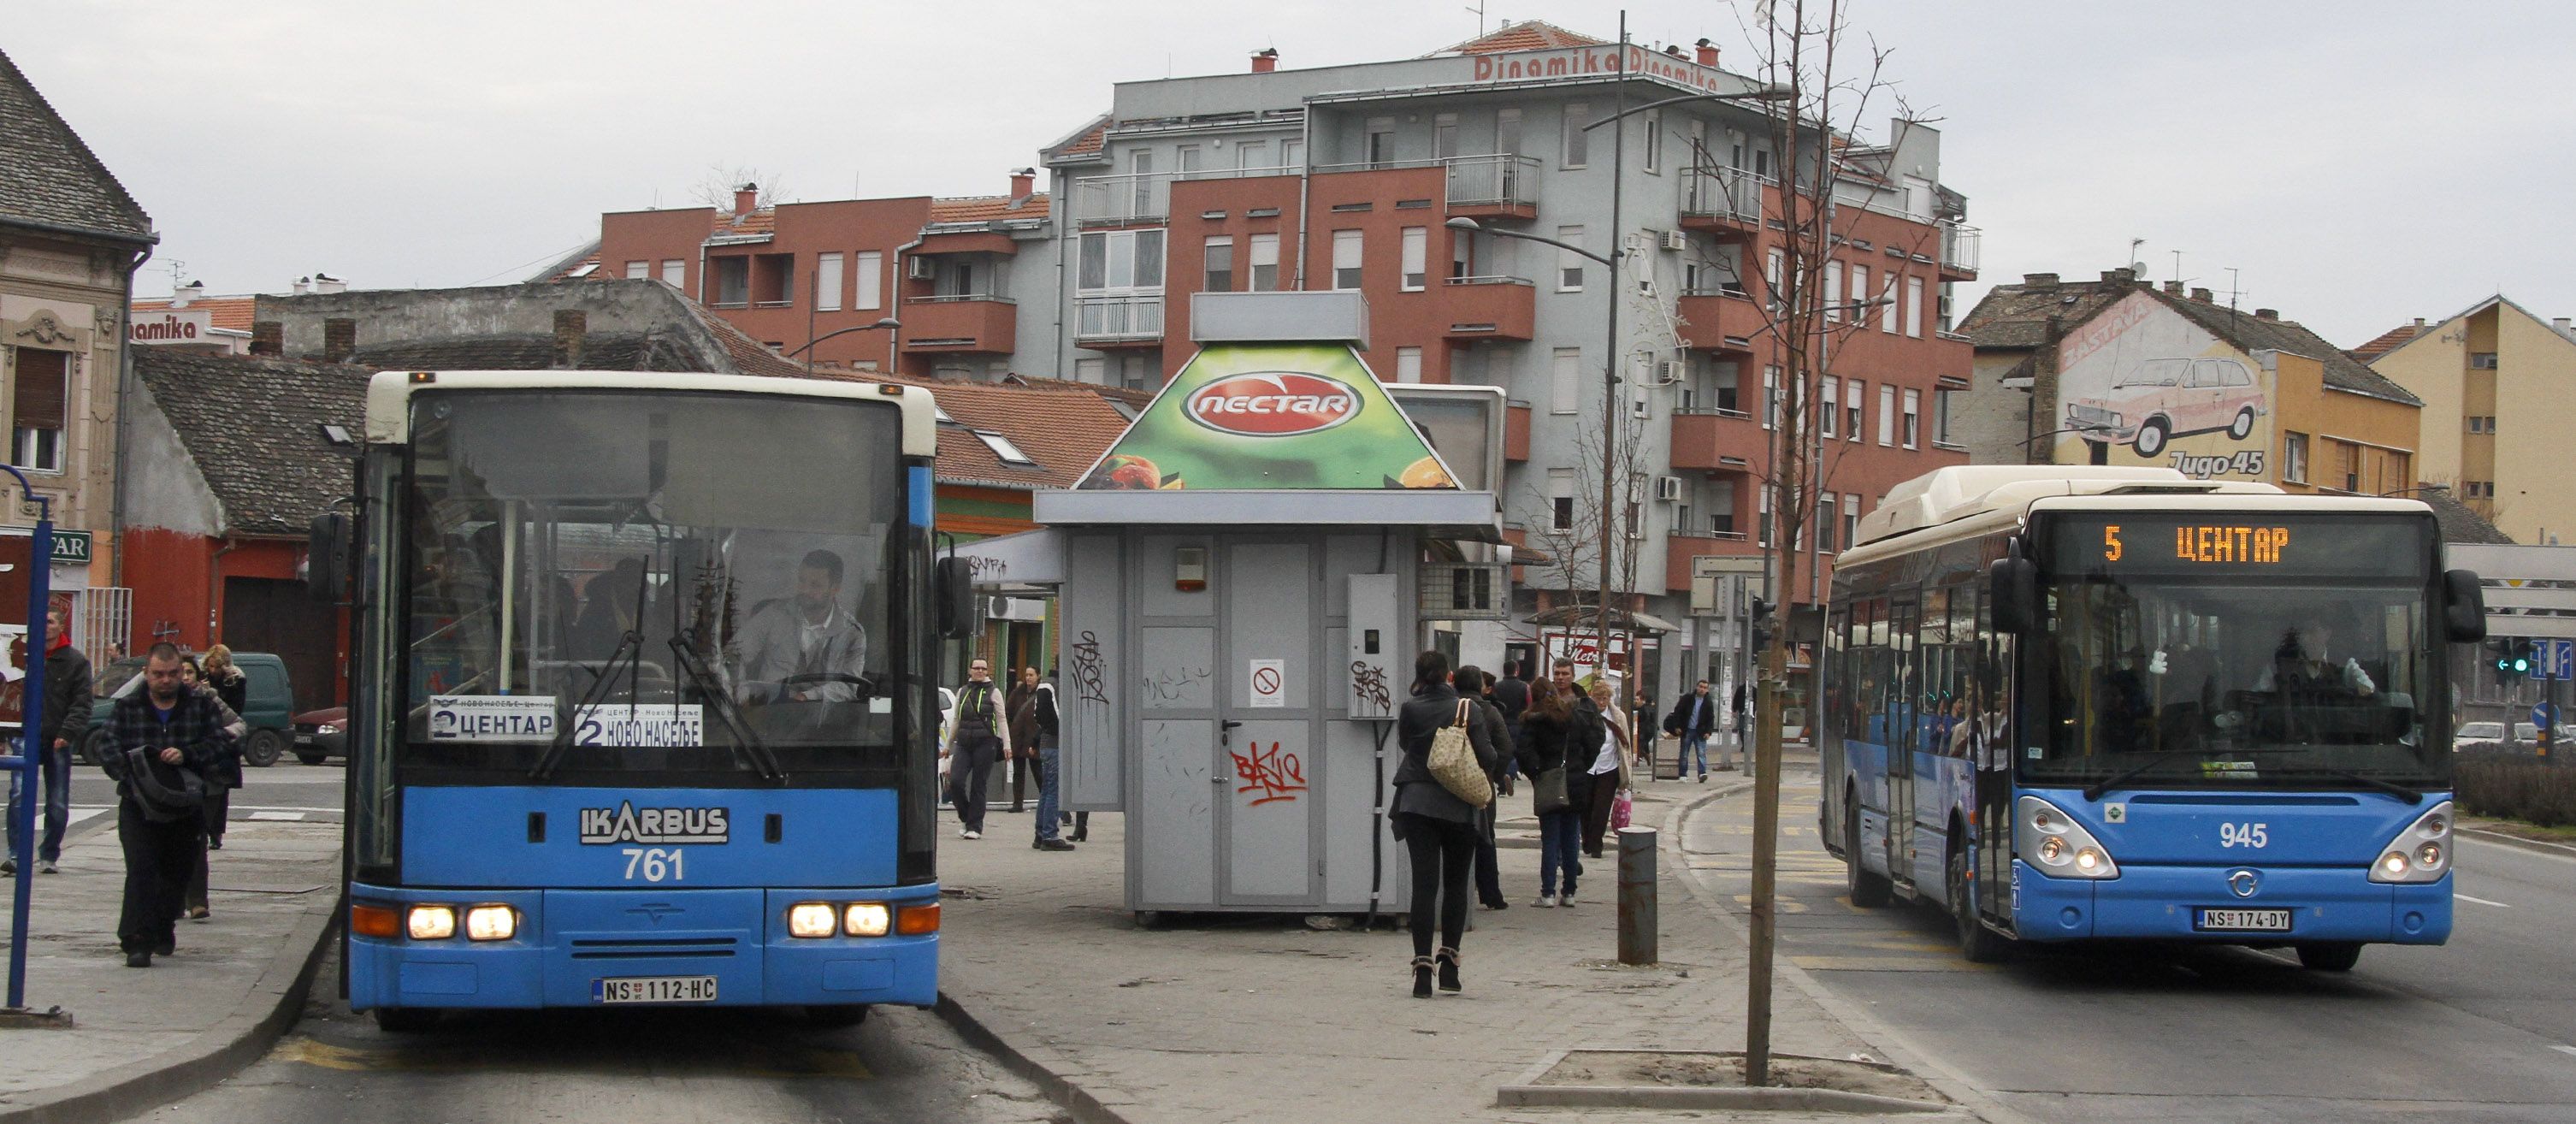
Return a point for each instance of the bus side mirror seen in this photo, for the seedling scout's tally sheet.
(953, 585)
(2464, 607)
(326, 557)
(2012, 588)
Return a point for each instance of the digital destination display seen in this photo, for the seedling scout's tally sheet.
(2363, 546)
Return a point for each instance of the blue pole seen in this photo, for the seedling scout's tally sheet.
(31, 756)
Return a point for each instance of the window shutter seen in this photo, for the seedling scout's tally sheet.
(37, 400)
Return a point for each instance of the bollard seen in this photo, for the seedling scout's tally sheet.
(1637, 895)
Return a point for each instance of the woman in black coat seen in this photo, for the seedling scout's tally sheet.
(1561, 731)
(1439, 830)
(1473, 683)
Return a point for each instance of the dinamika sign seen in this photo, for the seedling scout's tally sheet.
(1267, 417)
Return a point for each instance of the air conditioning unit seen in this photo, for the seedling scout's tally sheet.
(1466, 591)
(1671, 371)
(1668, 488)
(920, 268)
(1676, 240)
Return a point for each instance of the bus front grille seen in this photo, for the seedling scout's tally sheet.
(632, 948)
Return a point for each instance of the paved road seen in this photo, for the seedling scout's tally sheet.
(288, 790)
(2481, 1029)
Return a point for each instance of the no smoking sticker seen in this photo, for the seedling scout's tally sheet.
(1269, 680)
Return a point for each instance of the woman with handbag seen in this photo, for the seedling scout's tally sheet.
(1445, 751)
(1554, 727)
(1605, 761)
(223, 682)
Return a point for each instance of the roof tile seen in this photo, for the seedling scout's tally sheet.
(230, 313)
(1527, 35)
(253, 426)
(49, 176)
(981, 208)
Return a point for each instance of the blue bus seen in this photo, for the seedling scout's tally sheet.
(2072, 704)
(642, 709)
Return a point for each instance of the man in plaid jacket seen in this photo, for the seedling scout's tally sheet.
(153, 735)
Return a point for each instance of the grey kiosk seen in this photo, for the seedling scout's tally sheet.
(1242, 594)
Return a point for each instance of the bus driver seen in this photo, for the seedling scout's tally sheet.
(2303, 658)
(805, 648)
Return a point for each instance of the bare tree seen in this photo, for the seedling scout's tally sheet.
(717, 187)
(1573, 532)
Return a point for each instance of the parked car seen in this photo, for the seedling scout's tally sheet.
(2478, 737)
(321, 735)
(267, 707)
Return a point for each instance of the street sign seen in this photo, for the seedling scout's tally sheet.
(2545, 716)
(2557, 659)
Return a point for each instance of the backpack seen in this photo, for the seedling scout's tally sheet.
(1453, 760)
(165, 793)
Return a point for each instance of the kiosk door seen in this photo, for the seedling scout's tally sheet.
(1266, 759)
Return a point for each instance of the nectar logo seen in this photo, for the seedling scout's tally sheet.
(1273, 404)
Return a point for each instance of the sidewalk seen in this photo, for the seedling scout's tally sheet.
(1236, 1018)
(142, 1037)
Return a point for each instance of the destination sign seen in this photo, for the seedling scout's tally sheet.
(2360, 546)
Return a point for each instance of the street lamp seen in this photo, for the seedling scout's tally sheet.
(888, 323)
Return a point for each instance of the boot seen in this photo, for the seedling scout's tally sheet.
(1448, 958)
(1422, 977)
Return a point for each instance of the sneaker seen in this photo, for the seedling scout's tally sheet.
(1545, 901)
(1703, 778)
(969, 833)
(138, 960)
(1565, 900)
(215, 843)
(1052, 845)
(46, 866)
(8, 866)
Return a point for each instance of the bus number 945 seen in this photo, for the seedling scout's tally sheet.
(659, 865)
(2236, 835)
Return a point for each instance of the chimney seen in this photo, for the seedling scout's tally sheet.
(571, 324)
(2116, 276)
(1024, 183)
(2267, 314)
(2560, 323)
(180, 296)
(1675, 50)
(268, 337)
(1707, 53)
(2173, 288)
(2419, 321)
(1265, 60)
(745, 198)
(2039, 280)
(303, 285)
(2200, 294)
(325, 283)
(339, 339)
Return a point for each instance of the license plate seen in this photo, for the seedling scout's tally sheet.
(654, 989)
(303, 739)
(2241, 920)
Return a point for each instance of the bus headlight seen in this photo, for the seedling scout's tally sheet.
(491, 923)
(2421, 853)
(812, 919)
(431, 922)
(866, 919)
(2060, 847)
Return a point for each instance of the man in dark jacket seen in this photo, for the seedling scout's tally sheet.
(155, 737)
(1693, 719)
(981, 737)
(1044, 722)
(1743, 731)
(66, 722)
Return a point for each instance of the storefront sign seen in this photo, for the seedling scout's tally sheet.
(183, 325)
(71, 548)
(1585, 62)
(1267, 417)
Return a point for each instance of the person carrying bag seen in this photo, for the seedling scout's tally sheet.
(1438, 825)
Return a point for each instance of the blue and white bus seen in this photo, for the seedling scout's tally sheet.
(2086, 703)
(641, 704)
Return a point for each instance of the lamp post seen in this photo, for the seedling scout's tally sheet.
(888, 323)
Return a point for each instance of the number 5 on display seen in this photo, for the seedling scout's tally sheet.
(2111, 543)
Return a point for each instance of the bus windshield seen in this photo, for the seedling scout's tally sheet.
(2301, 655)
(649, 581)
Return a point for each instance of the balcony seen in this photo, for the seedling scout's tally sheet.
(1726, 202)
(1716, 440)
(1134, 320)
(1493, 187)
(1516, 431)
(1680, 547)
(1130, 200)
(975, 323)
(1489, 308)
(1725, 320)
(1960, 247)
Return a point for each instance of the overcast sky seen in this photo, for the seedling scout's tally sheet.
(2358, 163)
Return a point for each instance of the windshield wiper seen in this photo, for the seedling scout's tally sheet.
(747, 742)
(2115, 780)
(630, 648)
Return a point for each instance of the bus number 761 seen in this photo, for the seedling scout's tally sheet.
(658, 864)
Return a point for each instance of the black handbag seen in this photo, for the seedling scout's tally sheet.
(1547, 791)
(179, 796)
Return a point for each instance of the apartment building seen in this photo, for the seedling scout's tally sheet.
(925, 287)
(2493, 379)
(1346, 177)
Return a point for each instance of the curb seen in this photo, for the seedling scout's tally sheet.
(2535, 846)
(1074, 1099)
(1528, 1093)
(257, 1022)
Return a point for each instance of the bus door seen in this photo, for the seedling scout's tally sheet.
(1833, 724)
(1904, 709)
(1990, 707)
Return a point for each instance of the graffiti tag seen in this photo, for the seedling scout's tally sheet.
(1275, 775)
(1368, 681)
(1090, 672)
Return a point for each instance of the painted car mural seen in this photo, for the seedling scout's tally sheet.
(2162, 399)
(2139, 384)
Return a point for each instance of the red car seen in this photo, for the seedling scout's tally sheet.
(321, 735)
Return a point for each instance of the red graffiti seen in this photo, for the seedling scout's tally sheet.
(1275, 775)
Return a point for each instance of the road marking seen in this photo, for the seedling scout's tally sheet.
(287, 816)
(2565, 1049)
(2480, 901)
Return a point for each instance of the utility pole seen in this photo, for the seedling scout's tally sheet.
(1611, 515)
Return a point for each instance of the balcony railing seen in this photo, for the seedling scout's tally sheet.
(1109, 200)
(952, 298)
(1721, 536)
(1493, 181)
(1119, 318)
(1730, 194)
(1960, 246)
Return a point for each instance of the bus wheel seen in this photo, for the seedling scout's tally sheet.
(1979, 944)
(405, 1020)
(1868, 891)
(2329, 956)
(834, 1017)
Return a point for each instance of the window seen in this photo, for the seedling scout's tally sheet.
(1249, 155)
(1569, 265)
(2294, 457)
(2482, 424)
(1090, 370)
(1772, 269)
(1578, 144)
(1886, 415)
(1121, 260)
(1292, 153)
(1851, 519)
(1914, 307)
(733, 281)
(1408, 364)
(1913, 418)
(1220, 264)
(1941, 400)
(1507, 132)
(1762, 163)
(1444, 136)
(1346, 259)
(1859, 293)
(827, 282)
(36, 401)
(1825, 523)
(869, 265)
(2348, 465)
(1854, 394)
(1462, 253)
(1770, 397)
(1265, 263)
(2482, 361)
(2396, 472)
(1002, 448)
(1833, 406)
(2478, 489)
(639, 271)
(1654, 142)
(675, 273)
(1721, 507)
(1723, 387)
(1887, 311)
(1417, 254)
(1560, 499)
(1381, 142)
(1140, 171)
(1189, 160)
(1565, 387)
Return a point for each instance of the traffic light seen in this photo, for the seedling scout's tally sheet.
(1760, 608)
(2514, 659)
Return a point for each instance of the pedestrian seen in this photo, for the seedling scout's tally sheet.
(1472, 683)
(1641, 722)
(1511, 695)
(981, 736)
(65, 724)
(1609, 764)
(1551, 730)
(1021, 704)
(231, 689)
(162, 742)
(1438, 829)
(1743, 732)
(1693, 719)
(1043, 725)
